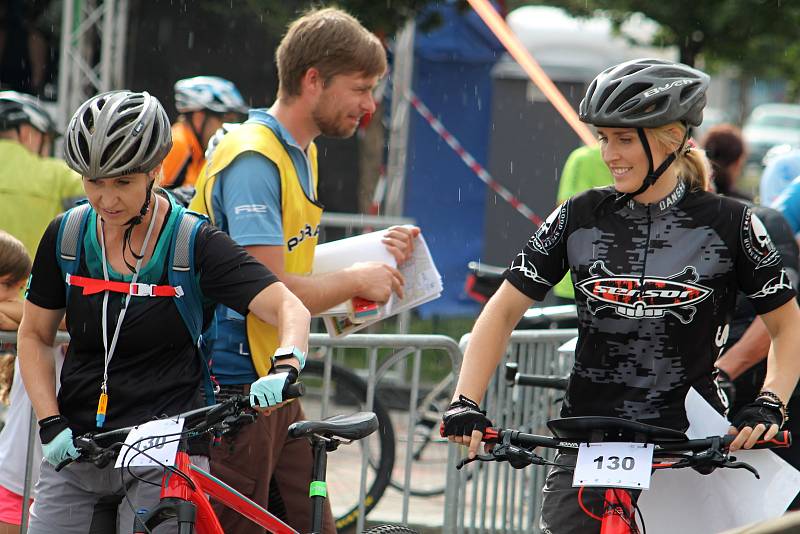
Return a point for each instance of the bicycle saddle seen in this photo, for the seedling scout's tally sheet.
(350, 427)
(599, 428)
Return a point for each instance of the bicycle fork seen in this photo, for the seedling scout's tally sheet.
(618, 516)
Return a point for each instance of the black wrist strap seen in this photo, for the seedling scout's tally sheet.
(50, 427)
(285, 368)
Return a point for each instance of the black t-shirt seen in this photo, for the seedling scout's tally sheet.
(155, 369)
(655, 287)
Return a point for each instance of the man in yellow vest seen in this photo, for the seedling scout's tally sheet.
(260, 186)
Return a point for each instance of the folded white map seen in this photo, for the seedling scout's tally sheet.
(422, 281)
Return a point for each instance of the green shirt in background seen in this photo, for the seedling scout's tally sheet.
(33, 190)
(584, 169)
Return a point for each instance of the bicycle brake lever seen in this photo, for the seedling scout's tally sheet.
(741, 465)
(478, 457)
(64, 463)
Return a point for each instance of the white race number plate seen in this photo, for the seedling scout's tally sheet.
(612, 464)
(158, 439)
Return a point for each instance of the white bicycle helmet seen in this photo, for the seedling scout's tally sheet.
(208, 93)
(20, 108)
(117, 133)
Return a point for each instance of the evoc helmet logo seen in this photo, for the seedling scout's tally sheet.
(656, 90)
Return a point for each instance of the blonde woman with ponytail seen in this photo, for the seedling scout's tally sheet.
(656, 261)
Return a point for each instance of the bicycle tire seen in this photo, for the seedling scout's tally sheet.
(354, 388)
(390, 529)
(429, 450)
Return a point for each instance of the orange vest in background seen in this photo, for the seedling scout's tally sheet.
(185, 159)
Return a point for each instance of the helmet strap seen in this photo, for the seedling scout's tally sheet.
(126, 241)
(652, 175)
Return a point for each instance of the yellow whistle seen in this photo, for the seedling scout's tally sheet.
(102, 405)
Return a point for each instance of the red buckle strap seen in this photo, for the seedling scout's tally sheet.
(92, 286)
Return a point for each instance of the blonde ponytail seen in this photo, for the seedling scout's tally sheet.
(691, 165)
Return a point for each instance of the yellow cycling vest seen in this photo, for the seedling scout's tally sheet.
(300, 216)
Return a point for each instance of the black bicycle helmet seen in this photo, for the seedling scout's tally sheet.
(117, 133)
(645, 93)
(19, 108)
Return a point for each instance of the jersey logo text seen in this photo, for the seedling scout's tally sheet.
(550, 232)
(305, 232)
(756, 242)
(629, 297)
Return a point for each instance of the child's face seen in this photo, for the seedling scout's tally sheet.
(10, 290)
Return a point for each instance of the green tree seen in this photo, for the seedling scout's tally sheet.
(732, 31)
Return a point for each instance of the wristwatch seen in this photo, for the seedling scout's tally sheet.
(284, 353)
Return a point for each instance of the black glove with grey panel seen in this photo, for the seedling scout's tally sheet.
(764, 410)
(462, 417)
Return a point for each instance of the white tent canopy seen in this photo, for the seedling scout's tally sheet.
(572, 49)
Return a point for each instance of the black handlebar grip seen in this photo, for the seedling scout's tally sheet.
(292, 391)
(782, 439)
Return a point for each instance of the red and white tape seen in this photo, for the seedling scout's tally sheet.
(470, 162)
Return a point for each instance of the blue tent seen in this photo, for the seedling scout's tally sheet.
(452, 67)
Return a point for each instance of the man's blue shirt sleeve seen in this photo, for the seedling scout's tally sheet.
(248, 199)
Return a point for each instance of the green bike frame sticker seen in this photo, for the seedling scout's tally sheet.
(318, 489)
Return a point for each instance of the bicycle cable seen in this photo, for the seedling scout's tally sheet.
(178, 437)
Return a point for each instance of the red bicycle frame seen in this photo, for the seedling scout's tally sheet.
(191, 504)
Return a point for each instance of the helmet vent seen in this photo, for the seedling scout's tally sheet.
(83, 148)
(607, 92)
(108, 153)
(630, 92)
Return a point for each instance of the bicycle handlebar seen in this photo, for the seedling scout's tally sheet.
(521, 439)
(207, 418)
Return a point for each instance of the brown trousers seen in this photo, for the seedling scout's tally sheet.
(261, 453)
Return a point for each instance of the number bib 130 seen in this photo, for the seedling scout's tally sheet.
(611, 464)
(157, 439)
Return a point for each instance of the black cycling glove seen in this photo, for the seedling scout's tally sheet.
(763, 410)
(462, 417)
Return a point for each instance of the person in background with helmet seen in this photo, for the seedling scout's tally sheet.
(204, 103)
(34, 187)
(655, 230)
(132, 354)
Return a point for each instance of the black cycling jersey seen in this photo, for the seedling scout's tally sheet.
(655, 287)
(155, 369)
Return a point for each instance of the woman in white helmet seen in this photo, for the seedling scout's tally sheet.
(204, 104)
(138, 278)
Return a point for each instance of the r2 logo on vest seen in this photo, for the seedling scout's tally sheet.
(305, 232)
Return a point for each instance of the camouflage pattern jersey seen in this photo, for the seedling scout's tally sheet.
(655, 287)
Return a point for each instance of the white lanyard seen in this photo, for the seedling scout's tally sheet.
(109, 351)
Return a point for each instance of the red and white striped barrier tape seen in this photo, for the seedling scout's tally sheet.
(470, 162)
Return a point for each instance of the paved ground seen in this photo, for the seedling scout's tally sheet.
(344, 468)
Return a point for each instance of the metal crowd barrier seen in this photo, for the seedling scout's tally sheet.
(494, 497)
(381, 353)
(401, 346)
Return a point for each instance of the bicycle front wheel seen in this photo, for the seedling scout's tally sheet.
(347, 393)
